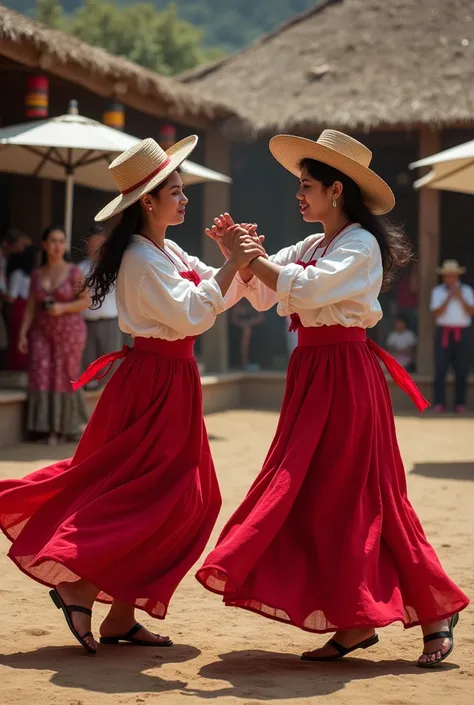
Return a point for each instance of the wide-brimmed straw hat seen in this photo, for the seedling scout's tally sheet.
(141, 169)
(450, 266)
(341, 152)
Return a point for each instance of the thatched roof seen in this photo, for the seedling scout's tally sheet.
(352, 64)
(34, 45)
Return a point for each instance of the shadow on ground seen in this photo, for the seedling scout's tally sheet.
(445, 471)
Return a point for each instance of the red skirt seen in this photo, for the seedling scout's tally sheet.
(132, 511)
(326, 538)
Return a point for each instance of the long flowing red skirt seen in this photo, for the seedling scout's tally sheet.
(326, 538)
(132, 511)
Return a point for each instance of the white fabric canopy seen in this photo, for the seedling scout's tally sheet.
(75, 149)
(453, 169)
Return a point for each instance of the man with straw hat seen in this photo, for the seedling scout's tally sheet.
(452, 304)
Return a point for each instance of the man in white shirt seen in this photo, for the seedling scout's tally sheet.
(103, 333)
(452, 304)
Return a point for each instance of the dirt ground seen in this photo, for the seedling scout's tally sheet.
(233, 657)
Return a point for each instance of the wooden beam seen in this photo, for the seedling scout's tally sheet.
(215, 343)
(429, 236)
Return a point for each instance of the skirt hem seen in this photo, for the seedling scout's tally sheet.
(290, 622)
(54, 585)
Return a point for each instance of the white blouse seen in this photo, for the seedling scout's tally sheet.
(19, 285)
(154, 301)
(341, 289)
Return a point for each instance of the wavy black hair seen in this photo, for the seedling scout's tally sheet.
(104, 273)
(394, 246)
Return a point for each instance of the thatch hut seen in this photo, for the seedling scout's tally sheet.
(95, 78)
(398, 75)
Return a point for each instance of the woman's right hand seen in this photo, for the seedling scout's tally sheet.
(23, 344)
(244, 248)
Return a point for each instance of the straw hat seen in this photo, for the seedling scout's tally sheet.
(141, 168)
(341, 152)
(450, 266)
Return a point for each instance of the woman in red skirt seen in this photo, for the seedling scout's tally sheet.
(125, 518)
(326, 538)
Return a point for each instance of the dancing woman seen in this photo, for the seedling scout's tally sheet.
(125, 518)
(326, 539)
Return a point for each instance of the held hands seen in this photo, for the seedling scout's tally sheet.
(243, 247)
(224, 230)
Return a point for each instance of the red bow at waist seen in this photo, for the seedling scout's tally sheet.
(95, 367)
(330, 335)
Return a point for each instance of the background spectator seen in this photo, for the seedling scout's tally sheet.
(245, 317)
(18, 291)
(452, 304)
(53, 333)
(103, 332)
(401, 343)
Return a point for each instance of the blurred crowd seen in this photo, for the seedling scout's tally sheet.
(48, 329)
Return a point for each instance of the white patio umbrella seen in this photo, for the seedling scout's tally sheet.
(75, 149)
(453, 169)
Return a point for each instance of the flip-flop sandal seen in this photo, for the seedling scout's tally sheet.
(130, 637)
(67, 611)
(440, 635)
(342, 650)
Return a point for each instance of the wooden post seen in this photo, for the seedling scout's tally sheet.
(429, 227)
(215, 342)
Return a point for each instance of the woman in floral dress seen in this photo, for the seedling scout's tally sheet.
(53, 334)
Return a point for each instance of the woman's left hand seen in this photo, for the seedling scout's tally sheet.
(56, 310)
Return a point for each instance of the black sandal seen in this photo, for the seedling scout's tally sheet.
(440, 635)
(67, 610)
(342, 650)
(130, 637)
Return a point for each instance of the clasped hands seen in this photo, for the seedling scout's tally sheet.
(239, 242)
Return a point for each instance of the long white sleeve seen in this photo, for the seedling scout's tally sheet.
(348, 272)
(164, 296)
(260, 296)
(235, 292)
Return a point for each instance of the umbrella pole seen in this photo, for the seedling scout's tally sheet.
(69, 208)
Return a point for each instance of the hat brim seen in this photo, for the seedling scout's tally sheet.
(460, 270)
(177, 154)
(290, 150)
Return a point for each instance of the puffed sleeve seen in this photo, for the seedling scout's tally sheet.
(347, 272)
(260, 296)
(166, 297)
(236, 290)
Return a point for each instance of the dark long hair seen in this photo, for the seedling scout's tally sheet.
(104, 273)
(395, 248)
(44, 237)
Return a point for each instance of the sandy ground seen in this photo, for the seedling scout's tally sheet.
(233, 657)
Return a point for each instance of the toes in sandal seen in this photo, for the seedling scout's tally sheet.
(440, 635)
(342, 650)
(67, 611)
(130, 637)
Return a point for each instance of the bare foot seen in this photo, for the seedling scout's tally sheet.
(347, 639)
(435, 649)
(118, 627)
(74, 594)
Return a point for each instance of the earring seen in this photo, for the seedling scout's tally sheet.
(150, 208)
(334, 203)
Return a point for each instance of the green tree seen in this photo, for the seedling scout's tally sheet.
(50, 13)
(160, 41)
